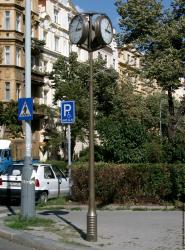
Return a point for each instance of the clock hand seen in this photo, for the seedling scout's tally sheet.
(77, 26)
(107, 30)
(108, 26)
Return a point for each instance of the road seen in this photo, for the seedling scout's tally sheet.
(9, 245)
(118, 229)
(126, 229)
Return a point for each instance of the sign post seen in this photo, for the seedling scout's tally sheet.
(26, 113)
(68, 117)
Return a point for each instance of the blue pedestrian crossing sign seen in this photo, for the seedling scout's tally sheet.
(67, 112)
(25, 109)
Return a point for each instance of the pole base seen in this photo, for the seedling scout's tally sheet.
(92, 228)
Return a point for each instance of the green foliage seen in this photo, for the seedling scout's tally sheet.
(8, 117)
(71, 81)
(123, 139)
(136, 184)
(174, 149)
(159, 35)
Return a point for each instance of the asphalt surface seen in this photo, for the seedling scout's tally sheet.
(9, 245)
(117, 229)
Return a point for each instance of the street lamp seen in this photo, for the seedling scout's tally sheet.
(91, 31)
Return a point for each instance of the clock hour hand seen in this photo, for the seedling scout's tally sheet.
(77, 27)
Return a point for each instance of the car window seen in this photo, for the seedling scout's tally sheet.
(10, 170)
(58, 172)
(35, 168)
(48, 173)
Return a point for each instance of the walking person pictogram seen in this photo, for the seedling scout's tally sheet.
(25, 109)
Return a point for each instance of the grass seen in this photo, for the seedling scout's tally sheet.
(21, 223)
(60, 201)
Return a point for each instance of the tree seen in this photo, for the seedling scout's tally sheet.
(8, 119)
(159, 35)
(71, 81)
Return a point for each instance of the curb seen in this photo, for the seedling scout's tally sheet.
(38, 243)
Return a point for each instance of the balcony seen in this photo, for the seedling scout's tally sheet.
(37, 75)
(41, 110)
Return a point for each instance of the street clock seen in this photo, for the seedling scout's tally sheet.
(103, 30)
(78, 29)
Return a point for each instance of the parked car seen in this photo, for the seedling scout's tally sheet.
(50, 182)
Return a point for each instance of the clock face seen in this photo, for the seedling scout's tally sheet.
(78, 30)
(104, 30)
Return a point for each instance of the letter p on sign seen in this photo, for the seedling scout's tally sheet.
(67, 109)
(67, 112)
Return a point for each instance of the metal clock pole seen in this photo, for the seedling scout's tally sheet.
(91, 215)
(98, 32)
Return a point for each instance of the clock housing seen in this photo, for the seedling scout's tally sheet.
(78, 29)
(103, 30)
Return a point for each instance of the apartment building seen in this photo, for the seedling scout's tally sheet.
(12, 71)
(50, 23)
(130, 64)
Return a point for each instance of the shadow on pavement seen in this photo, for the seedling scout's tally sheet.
(59, 214)
(10, 205)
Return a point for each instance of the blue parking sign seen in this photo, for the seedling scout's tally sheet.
(67, 112)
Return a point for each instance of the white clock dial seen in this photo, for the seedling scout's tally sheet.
(78, 30)
(104, 30)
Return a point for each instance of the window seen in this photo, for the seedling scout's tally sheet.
(7, 54)
(56, 43)
(70, 47)
(7, 20)
(18, 90)
(45, 63)
(45, 36)
(18, 21)
(55, 16)
(114, 63)
(45, 95)
(48, 173)
(106, 59)
(128, 58)
(99, 55)
(7, 91)
(33, 61)
(18, 56)
(32, 32)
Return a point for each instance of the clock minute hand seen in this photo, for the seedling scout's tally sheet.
(107, 30)
(77, 26)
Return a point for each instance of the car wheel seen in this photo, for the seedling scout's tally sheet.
(43, 198)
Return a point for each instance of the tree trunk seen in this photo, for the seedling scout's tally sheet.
(174, 118)
(172, 121)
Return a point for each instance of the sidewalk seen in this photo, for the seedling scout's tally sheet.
(117, 229)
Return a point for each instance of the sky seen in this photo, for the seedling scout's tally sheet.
(105, 6)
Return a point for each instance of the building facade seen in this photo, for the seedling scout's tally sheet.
(12, 71)
(50, 38)
(130, 65)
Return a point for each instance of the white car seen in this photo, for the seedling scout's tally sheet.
(50, 182)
